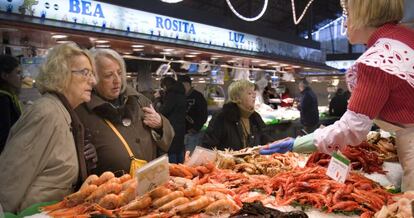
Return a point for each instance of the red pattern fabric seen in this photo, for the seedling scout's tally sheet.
(381, 95)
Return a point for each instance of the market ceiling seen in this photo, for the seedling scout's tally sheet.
(277, 21)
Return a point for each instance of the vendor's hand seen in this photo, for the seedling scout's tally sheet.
(281, 146)
(152, 118)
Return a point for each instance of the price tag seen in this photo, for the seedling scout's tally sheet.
(338, 168)
(201, 156)
(153, 174)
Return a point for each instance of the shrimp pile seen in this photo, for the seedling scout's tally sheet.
(116, 197)
(311, 186)
(269, 165)
(189, 172)
(181, 197)
(106, 192)
(361, 157)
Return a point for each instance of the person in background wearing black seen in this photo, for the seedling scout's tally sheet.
(174, 108)
(196, 114)
(237, 125)
(10, 85)
(308, 107)
(338, 104)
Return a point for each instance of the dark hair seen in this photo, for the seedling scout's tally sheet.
(305, 82)
(184, 79)
(340, 91)
(7, 64)
(168, 82)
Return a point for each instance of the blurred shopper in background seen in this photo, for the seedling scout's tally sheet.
(338, 104)
(174, 107)
(196, 114)
(113, 103)
(237, 125)
(10, 85)
(43, 159)
(381, 82)
(286, 100)
(308, 107)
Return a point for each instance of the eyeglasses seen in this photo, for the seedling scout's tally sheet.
(84, 72)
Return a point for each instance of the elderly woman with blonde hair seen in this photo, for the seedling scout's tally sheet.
(43, 158)
(237, 125)
(381, 82)
(123, 124)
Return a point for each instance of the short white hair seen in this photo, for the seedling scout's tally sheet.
(112, 54)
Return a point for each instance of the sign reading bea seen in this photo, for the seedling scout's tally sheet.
(86, 8)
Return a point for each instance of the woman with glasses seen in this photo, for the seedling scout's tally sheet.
(381, 82)
(10, 84)
(43, 159)
(117, 108)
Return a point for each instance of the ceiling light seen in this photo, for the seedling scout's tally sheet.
(255, 61)
(165, 53)
(137, 49)
(190, 56)
(137, 46)
(195, 53)
(103, 46)
(168, 49)
(127, 53)
(307, 68)
(284, 65)
(213, 58)
(64, 41)
(59, 36)
(171, 1)
(101, 41)
(217, 56)
(263, 65)
(296, 66)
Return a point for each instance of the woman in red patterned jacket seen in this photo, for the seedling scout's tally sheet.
(381, 81)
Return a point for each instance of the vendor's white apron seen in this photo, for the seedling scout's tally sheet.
(405, 149)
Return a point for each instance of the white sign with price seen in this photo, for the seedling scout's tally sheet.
(338, 168)
(153, 174)
(201, 156)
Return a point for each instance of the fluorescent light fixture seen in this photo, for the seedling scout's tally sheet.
(59, 36)
(127, 53)
(101, 41)
(103, 46)
(296, 66)
(63, 41)
(165, 53)
(190, 56)
(284, 65)
(217, 56)
(137, 46)
(307, 68)
(171, 1)
(213, 58)
(137, 49)
(168, 49)
(255, 61)
(195, 53)
(263, 65)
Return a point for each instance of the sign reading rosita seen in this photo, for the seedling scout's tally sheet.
(86, 8)
(174, 25)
